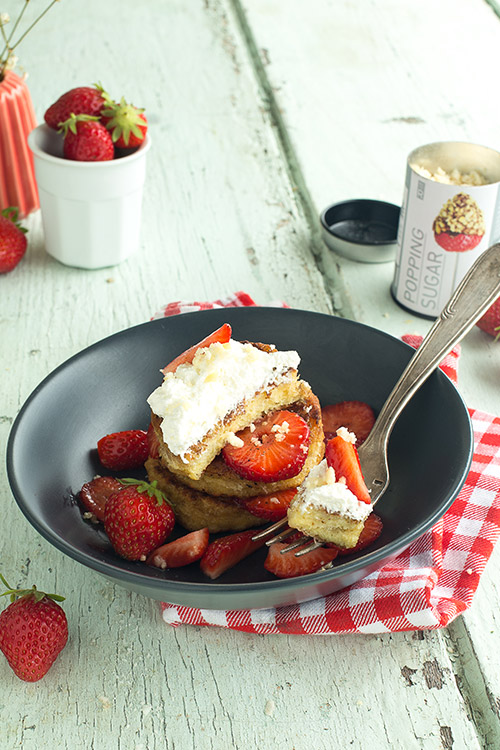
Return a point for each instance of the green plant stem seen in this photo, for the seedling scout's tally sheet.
(4, 35)
(6, 52)
(33, 24)
(17, 22)
(9, 48)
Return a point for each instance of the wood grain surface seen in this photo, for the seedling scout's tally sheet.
(261, 112)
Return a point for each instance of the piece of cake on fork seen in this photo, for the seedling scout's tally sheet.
(333, 502)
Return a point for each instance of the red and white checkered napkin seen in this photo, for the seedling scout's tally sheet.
(425, 587)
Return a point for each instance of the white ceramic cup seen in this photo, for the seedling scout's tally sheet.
(91, 211)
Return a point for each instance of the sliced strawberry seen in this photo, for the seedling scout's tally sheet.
(274, 448)
(227, 551)
(123, 450)
(182, 551)
(357, 416)
(342, 456)
(220, 336)
(153, 442)
(272, 507)
(371, 531)
(94, 494)
(286, 565)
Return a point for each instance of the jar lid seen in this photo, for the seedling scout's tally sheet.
(363, 230)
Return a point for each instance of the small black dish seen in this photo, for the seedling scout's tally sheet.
(363, 230)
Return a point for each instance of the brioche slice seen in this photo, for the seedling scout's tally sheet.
(325, 509)
(324, 526)
(220, 480)
(282, 389)
(196, 510)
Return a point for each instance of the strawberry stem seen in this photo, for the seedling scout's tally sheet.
(18, 593)
(124, 120)
(12, 213)
(107, 98)
(72, 121)
(146, 488)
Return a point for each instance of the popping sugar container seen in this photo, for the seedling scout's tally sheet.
(450, 214)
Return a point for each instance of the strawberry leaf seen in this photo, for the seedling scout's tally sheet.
(146, 488)
(19, 593)
(12, 213)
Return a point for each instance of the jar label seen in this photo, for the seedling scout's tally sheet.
(443, 228)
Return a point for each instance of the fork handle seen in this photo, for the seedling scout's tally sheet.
(474, 295)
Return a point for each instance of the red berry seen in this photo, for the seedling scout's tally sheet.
(342, 456)
(33, 631)
(357, 416)
(86, 139)
(95, 494)
(457, 243)
(490, 322)
(271, 507)
(137, 519)
(182, 551)
(153, 442)
(13, 241)
(83, 100)
(372, 529)
(274, 448)
(123, 450)
(127, 124)
(227, 551)
(221, 336)
(286, 565)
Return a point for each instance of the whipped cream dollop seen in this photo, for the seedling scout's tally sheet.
(321, 489)
(197, 396)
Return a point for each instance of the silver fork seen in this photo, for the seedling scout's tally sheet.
(479, 288)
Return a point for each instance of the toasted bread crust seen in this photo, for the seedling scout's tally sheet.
(328, 527)
(203, 453)
(202, 489)
(218, 479)
(196, 510)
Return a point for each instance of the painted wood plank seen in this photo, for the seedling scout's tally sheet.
(357, 89)
(126, 680)
(368, 83)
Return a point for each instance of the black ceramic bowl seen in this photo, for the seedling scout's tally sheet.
(51, 449)
(363, 230)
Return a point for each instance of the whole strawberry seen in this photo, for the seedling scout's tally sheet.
(490, 322)
(137, 519)
(83, 100)
(127, 124)
(86, 139)
(127, 449)
(33, 631)
(13, 241)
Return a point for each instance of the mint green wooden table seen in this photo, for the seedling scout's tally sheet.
(262, 112)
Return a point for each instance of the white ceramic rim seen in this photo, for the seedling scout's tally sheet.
(37, 151)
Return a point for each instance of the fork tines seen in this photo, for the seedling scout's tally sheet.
(306, 544)
(270, 530)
